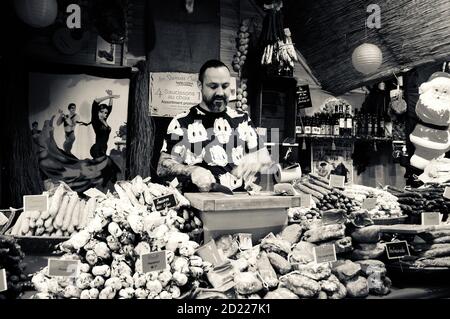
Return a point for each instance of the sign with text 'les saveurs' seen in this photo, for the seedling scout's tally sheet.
(3, 283)
(325, 254)
(398, 249)
(337, 181)
(63, 268)
(154, 261)
(35, 203)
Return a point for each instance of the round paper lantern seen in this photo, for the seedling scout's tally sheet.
(37, 13)
(367, 58)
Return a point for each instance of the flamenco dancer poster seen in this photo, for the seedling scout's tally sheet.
(78, 124)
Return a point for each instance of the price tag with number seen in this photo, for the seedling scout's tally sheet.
(325, 254)
(3, 283)
(154, 261)
(337, 181)
(63, 268)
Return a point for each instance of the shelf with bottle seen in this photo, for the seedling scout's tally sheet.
(343, 124)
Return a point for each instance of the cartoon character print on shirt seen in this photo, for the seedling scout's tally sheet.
(175, 128)
(248, 134)
(218, 156)
(234, 114)
(196, 133)
(192, 159)
(237, 153)
(222, 130)
(230, 181)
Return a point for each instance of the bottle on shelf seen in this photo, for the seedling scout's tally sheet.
(368, 130)
(349, 122)
(323, 124)
(342, 122)
(381, 132)
(355, 130)
(336, 124)
(307, 123)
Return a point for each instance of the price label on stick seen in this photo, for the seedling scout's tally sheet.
(431, 219)
(337, 181)
(369, 203)
(35, 203)
(63, 268)
(398, 249)
(3, 282)
(305, 200)
(154, 261)
(164, 202)
(325, 254)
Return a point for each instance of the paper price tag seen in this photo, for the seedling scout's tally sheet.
(397, 250)
(154, 261)
(63, 268)
(164, 202)
(325, 254)
(431, 219)
(337, 181)
(245, 241)
(94, 193)
(3, 282)
(305, 200)
(35, 203)
(447, 192)
(369, 203)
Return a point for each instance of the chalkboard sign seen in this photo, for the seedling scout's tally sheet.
(303, 97)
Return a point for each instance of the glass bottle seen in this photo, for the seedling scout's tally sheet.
(349, 121)
(307, 125)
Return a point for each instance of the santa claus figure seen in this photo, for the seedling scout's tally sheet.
(431, 134)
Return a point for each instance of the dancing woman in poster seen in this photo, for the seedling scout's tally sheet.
(99, 116)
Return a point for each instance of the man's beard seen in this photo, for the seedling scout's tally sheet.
(217, 104)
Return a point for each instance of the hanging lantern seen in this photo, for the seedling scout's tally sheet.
(367, 58)
(37, 13)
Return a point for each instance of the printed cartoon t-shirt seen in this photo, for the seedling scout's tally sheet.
(215, 141)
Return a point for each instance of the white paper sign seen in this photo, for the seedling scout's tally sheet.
(94, 193)
(447, 192)
(172, 93)
(63, 268)
(337, 181)
(35, 203)
(431, 219)
(3, 282)
(154, 261)
(245, 241)
(305, 200)
(325, 254)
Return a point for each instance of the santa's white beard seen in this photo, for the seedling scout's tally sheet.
(438, 105)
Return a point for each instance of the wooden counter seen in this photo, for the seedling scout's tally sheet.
(259, 215)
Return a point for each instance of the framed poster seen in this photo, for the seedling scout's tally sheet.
(106, 52)
(326, 161)
(78, 124)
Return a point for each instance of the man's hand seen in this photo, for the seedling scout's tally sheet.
(253, 163)
(202, 178)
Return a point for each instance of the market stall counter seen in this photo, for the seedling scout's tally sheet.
(259, 214)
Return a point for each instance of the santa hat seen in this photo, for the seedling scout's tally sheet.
(439, 75)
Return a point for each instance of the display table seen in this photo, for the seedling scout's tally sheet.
(417, 291)
(259, 215)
